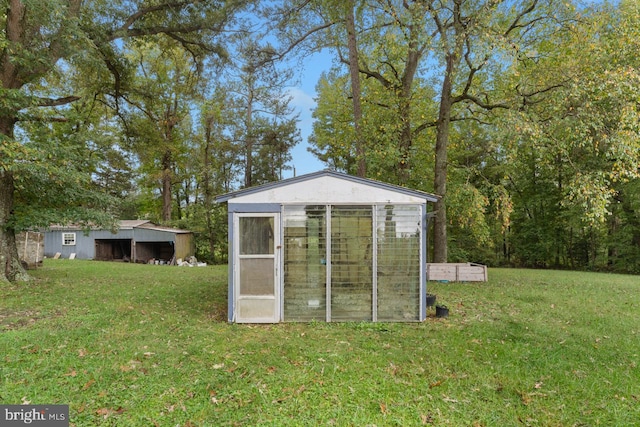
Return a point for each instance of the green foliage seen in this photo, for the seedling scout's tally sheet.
(569, 155)
(333, 138)
(54, 176)
(56, 53)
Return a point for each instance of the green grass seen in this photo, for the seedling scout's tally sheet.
(139, 345)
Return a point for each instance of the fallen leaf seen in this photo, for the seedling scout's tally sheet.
(218, 366)
(25, 401)
(72, 373)
(106, 412)
(392, 369)
(538, 384)
(383, 408)
(88, 384)
(426, 419)
(435, 384)
(82, 352)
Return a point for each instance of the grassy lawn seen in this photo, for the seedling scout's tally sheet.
(140, 345)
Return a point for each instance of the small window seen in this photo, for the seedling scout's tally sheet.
(68, 239)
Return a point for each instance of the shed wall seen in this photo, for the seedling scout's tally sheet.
(185, 245)
(147, 243)
(84, 247)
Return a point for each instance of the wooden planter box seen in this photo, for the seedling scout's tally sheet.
(457, 272)
(30, 247)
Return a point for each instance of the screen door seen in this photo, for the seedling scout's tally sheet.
(256, 268)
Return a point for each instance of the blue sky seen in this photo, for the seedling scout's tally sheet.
(303, 103)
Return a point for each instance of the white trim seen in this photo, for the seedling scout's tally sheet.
(64, 239)
(328, 263)
(275, 298)
(374, 263)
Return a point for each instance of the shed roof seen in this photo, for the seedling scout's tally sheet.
(326, 186)
(125, 224)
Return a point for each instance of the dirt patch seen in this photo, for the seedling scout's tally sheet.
(17, 319)
(218, 313)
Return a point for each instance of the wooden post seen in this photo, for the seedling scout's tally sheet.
(26, 241)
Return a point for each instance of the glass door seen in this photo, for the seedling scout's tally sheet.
(256, 268)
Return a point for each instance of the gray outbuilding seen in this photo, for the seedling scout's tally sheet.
(135, 241)
(328, 247)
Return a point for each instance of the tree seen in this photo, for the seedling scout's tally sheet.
(583, 145)
(37, 40)
(159, 99)
(219, 170)
(472, 37)
(265, 127)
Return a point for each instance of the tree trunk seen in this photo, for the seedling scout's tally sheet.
(207, 188)
(440, 180)
(248, 145)
(10, 267)
(354, 71)
(166, 187)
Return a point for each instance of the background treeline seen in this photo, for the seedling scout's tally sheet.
(524, 115)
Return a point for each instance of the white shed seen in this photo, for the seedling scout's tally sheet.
(328, 247)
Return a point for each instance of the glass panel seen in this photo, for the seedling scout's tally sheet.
(351, 263)
(398, 272)
(256, 236)
(305, 269)
(256, 276)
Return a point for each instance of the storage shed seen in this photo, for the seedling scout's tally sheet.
(135, 241)
(328, 247)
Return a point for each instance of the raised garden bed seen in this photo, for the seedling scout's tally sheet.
(457, 272)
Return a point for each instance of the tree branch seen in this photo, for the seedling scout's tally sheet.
(295, 43)
(147, 10)
(31, 118)
(516, 22)
(483, 104)
(55, 102)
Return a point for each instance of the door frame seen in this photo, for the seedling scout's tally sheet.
(273, 301)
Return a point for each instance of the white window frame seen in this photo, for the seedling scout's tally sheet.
(68, 239)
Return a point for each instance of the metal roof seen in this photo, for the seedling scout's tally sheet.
(302, 178)
(125, 224)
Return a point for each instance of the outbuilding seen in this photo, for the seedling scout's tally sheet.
(327, 247)
(134, 240)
